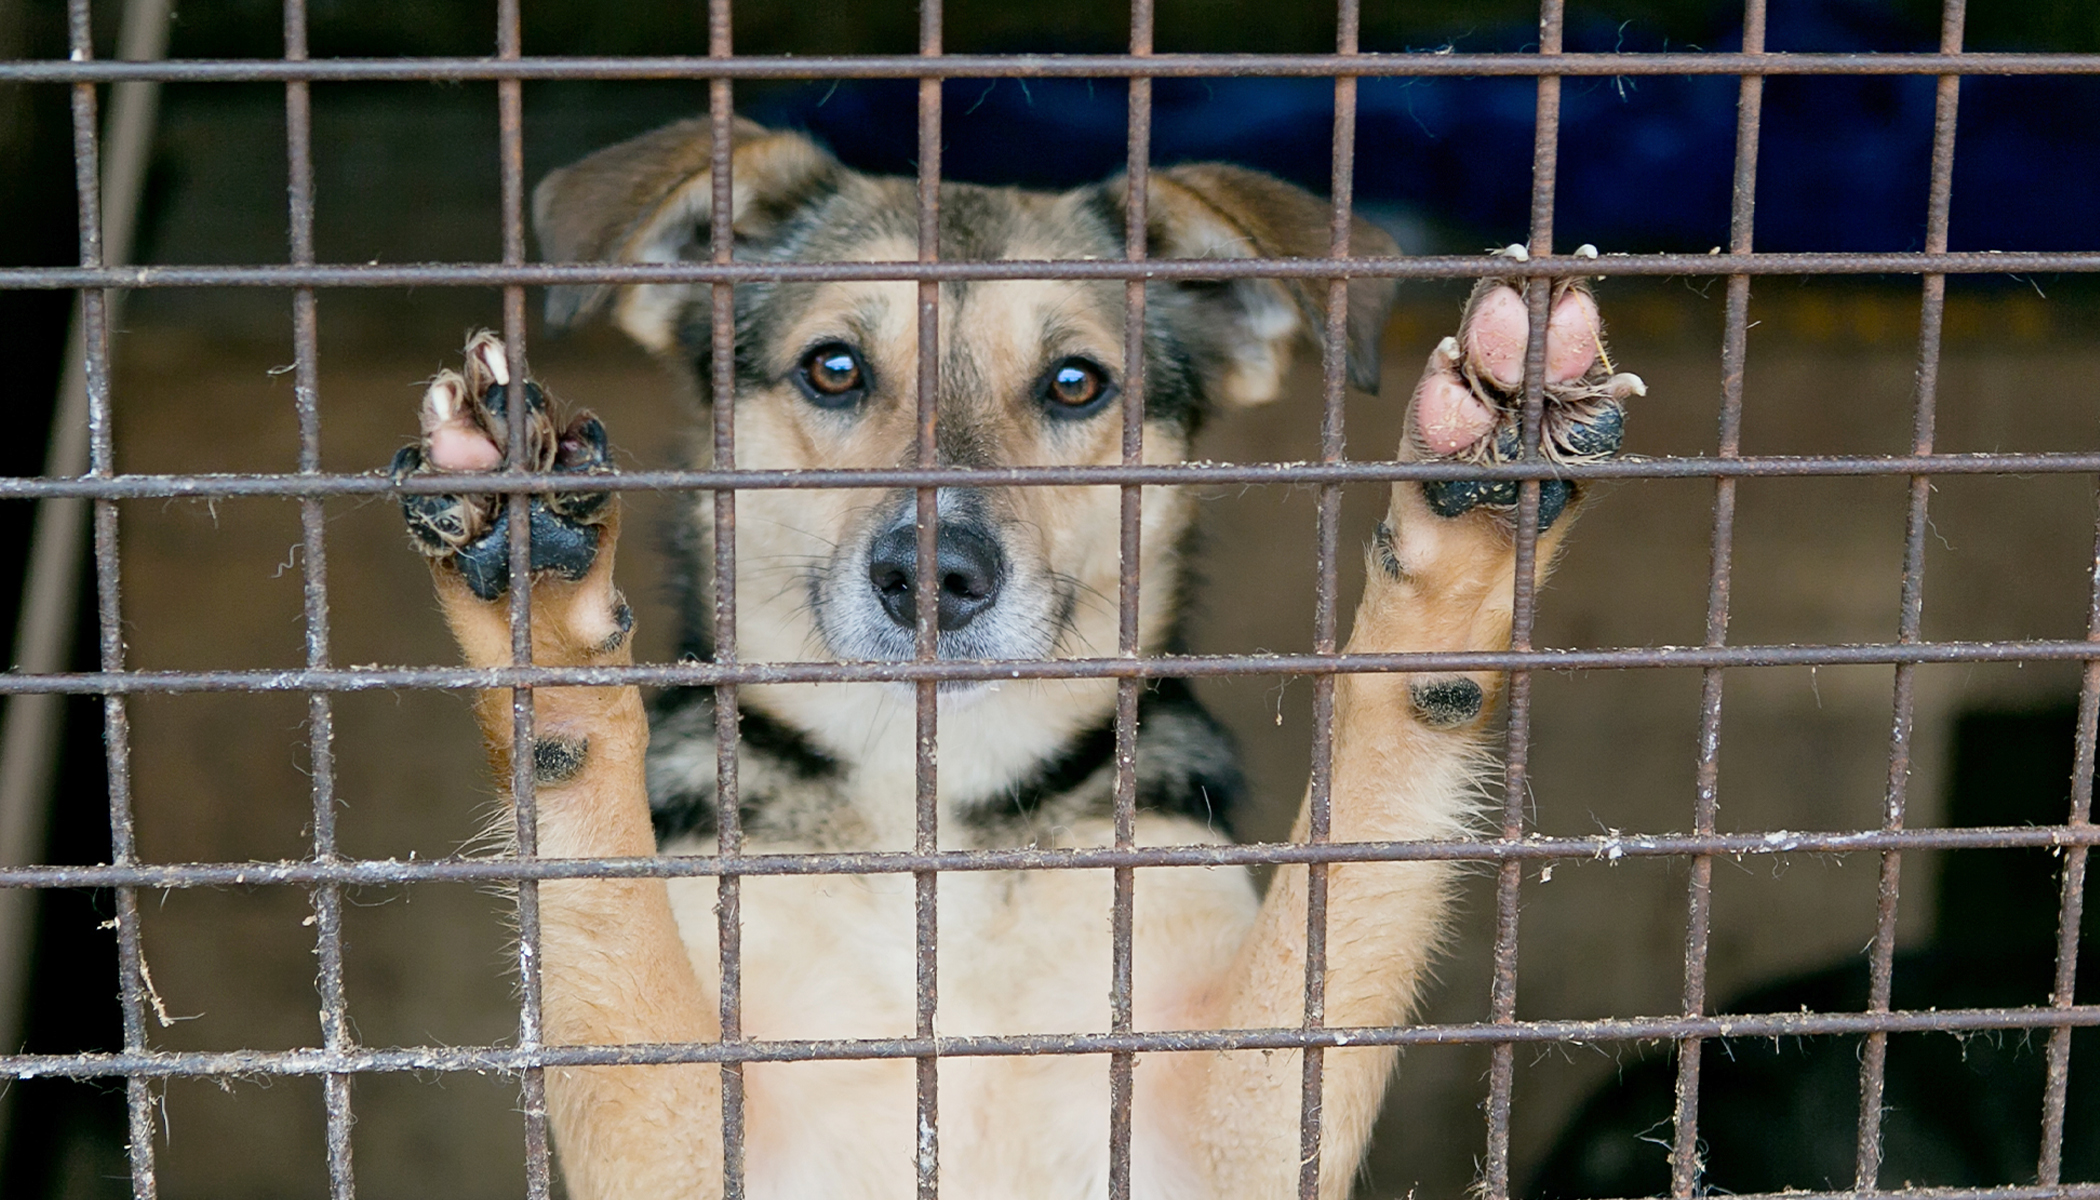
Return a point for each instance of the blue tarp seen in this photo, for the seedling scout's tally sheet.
(1645, 162)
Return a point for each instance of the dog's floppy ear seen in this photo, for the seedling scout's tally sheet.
(649, 199)
(1244, 329)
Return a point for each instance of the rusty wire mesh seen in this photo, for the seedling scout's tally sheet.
(338, 1057)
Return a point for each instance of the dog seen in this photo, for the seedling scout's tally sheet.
(1030, 373)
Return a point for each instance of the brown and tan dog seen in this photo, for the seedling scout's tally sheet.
(1029, 374)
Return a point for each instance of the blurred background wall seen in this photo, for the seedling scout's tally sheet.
(408, 173)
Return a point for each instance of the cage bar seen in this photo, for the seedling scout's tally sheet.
(334, 275)
(313, 563)
(1685, 1160)
(1129, 547)
(926, 605)
(1425, 64)
(2070, 913)
(729, 833)
(116, 726)
(1874, 1058)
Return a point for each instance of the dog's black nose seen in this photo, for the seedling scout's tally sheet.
(971, 571)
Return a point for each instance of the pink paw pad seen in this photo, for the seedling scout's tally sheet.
(1448, 416)
(1467, 405)
(1571, 338)
(454, 442)
(1498, 331)
(1495, 337)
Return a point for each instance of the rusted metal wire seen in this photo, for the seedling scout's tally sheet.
(151, 487)
(94, 310)
(1966, 262)
(313, 545)
(1319, 796)
(926, 1156)
(698, 674)
(167, 1064)
(2072, 906)
(1685, 1161)
(1881, 958)
(1122, 1066)
(729, 830)
(1603, 848)
(510, 124)
(1509, 878)
(339, 1058)
(1042, 66)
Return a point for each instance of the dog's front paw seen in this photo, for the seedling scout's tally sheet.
(1468, 405)
(466, 429)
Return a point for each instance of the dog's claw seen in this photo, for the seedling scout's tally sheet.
(1468, 405)
(486, 351)
(466, 428)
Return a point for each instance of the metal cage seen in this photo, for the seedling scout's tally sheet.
(338, 1057)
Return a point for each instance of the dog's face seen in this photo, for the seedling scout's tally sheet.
(1030, 373)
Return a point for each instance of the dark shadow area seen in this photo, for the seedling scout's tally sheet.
(67, 1137)
(1961, 1110)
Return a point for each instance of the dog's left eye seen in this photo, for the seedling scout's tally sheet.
(832, 375)
(1076, 387)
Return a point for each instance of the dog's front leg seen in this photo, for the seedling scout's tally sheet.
(1409, 751)
(612, 965)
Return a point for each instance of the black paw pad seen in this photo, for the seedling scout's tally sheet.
(497, 398)
(583, 446)
(580, 507)
(558, 545)
(1596, 435)
(438, 523)
(469, 414)
(1554, 495)
(1446, 703)
(558, 760)
(1457, 497)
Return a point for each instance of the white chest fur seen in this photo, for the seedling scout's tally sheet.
(1018, 953)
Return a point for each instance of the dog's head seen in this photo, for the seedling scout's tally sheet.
(1030, 373)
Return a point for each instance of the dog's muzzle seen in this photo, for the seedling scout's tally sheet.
(972, 570)
(995, 599)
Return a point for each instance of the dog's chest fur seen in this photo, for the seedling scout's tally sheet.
(1019, 952)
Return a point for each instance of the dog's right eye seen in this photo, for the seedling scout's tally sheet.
(832, 376)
